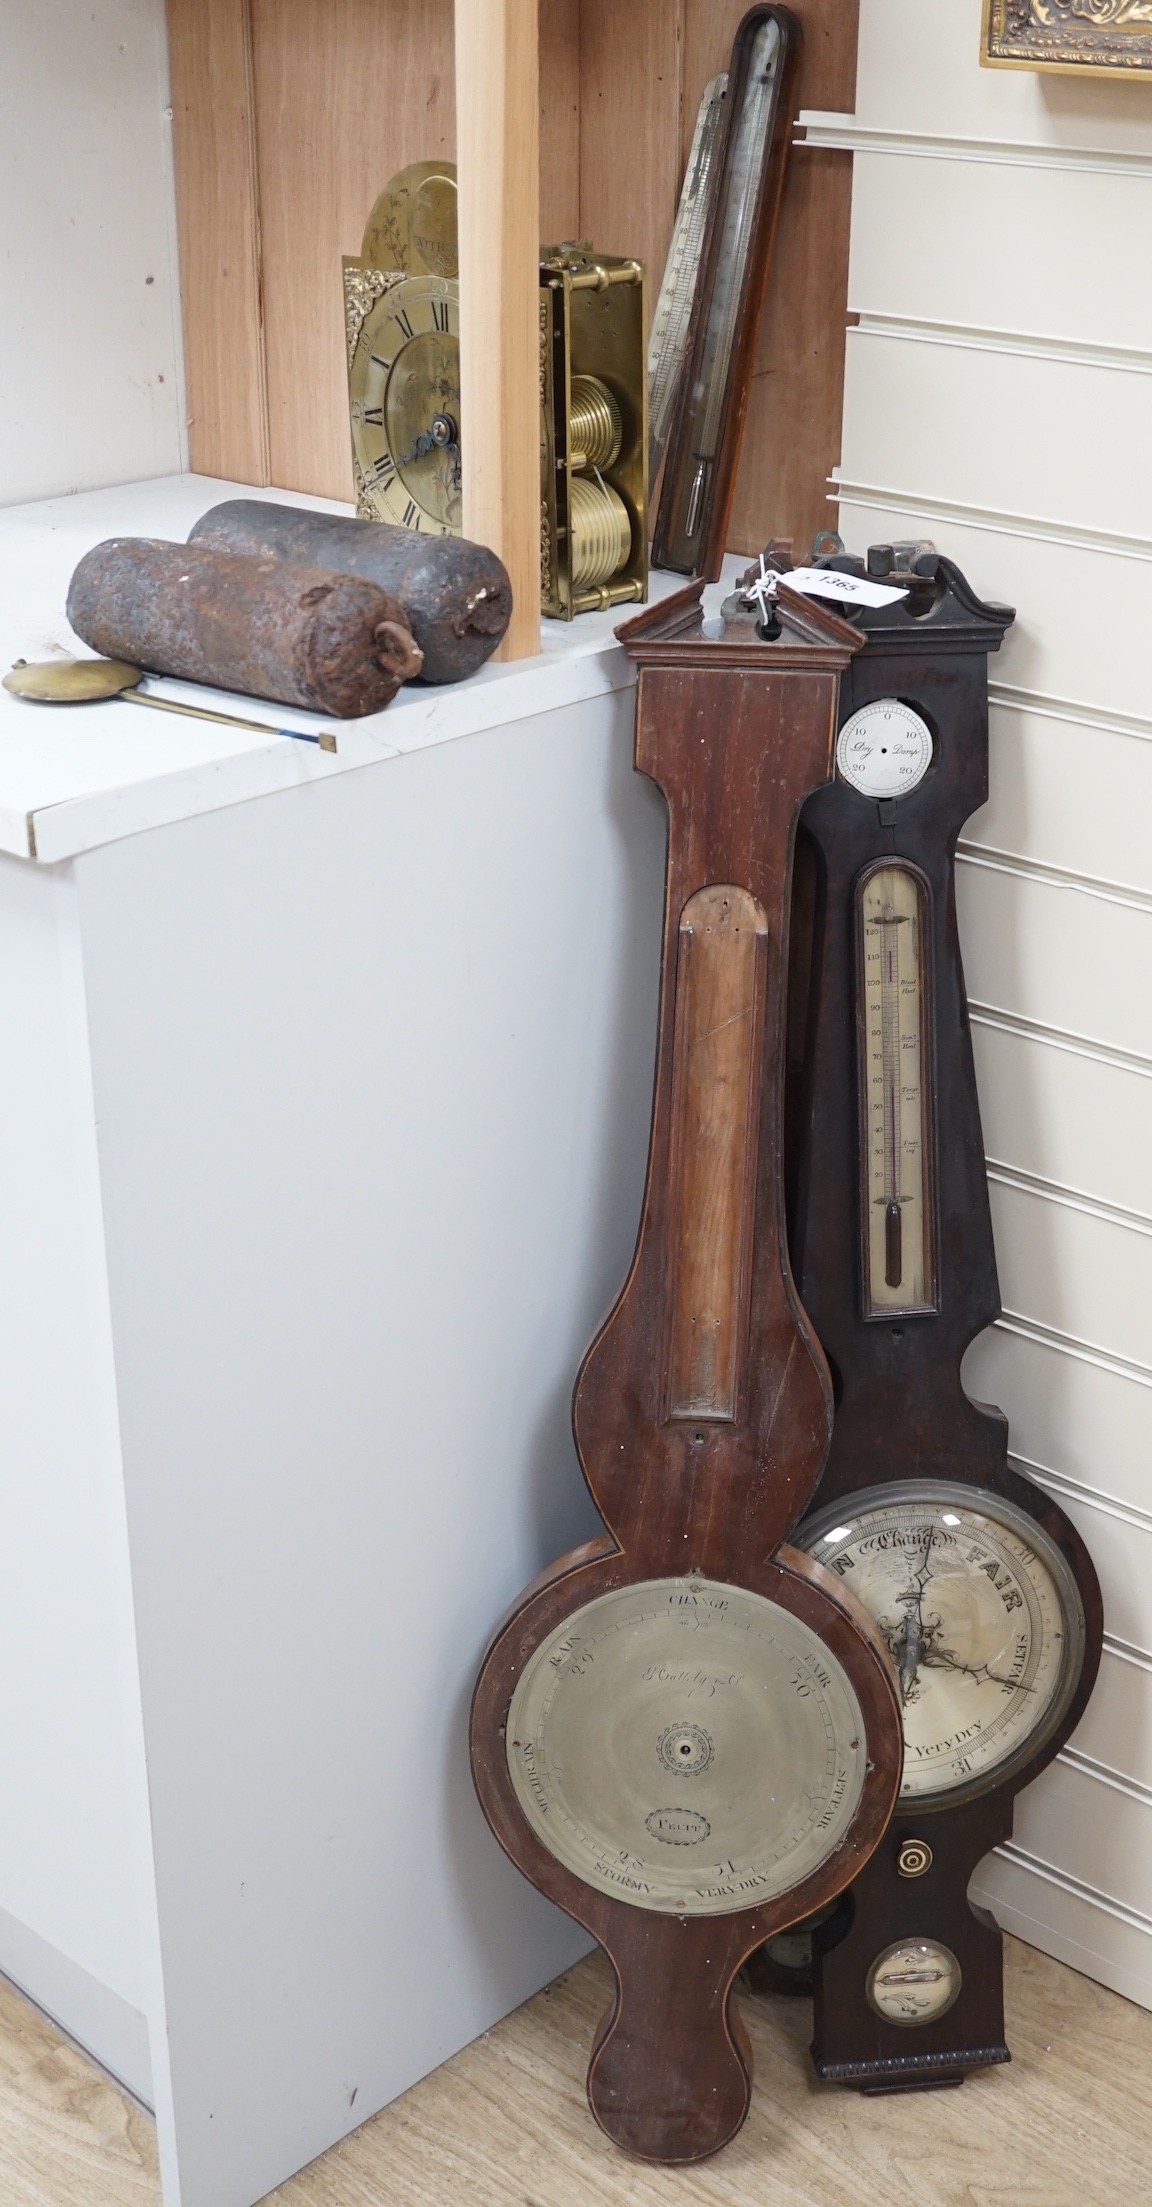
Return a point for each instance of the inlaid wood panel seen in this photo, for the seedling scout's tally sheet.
(714, 1157)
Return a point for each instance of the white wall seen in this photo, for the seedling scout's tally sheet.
(75, 1883)
(90, 363)
(998, 400)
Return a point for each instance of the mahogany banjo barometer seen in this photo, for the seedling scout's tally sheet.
(687, 1735)
(977, 1580)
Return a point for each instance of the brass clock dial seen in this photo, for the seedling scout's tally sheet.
(688, 1746)
(982, 1617)
(404, 394)
(413, 225)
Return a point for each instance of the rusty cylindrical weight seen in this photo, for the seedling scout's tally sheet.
(301, 635)
(456, 596)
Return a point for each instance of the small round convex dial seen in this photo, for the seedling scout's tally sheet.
(885, 750)
(404, 391)
(913, 1982)
(687, 1746)
(983, 1621)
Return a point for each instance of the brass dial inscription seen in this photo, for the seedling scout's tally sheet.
(687, 1746)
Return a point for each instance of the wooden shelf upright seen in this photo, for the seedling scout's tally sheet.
(498, 158)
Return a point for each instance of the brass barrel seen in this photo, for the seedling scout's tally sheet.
(601, 532)
(596, 431)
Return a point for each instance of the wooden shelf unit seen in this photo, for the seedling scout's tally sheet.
(291, 114)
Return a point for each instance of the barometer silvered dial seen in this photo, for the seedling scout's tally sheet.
(982, 1617)
(688, 1746)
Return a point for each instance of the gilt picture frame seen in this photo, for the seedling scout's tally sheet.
(1078, 37)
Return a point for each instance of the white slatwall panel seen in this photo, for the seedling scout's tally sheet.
(1069, 790)
(949, 261)
(1116, 1731)
(1012, 418)
(1056, 953)
(1049, 1118)
(1075, 1413)
(1083, 601)
(998, 401)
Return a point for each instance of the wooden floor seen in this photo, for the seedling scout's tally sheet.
(1069, 2124)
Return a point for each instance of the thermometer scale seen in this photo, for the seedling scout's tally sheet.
(897, 1207)
(704, 443)
(669, 340)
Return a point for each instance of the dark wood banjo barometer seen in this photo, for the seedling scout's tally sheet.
(686, 1735)
(979, 1583)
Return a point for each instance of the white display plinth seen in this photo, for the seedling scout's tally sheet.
(324, 1113)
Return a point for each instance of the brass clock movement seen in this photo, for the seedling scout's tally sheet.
(402, 321)
(593, 432)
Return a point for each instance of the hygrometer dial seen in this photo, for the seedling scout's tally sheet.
(915, 1981)
(404, 390)
(982, 1616)
(688, 1746)
(885, 750)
